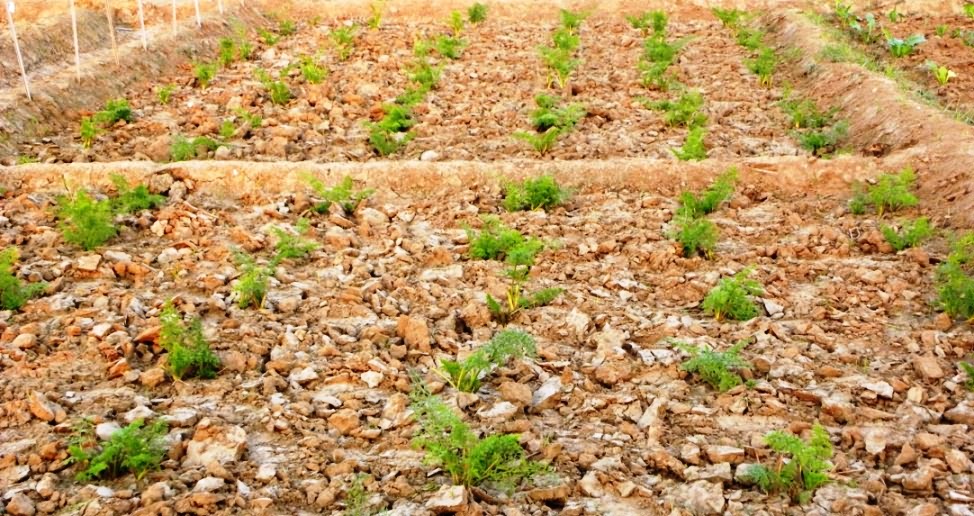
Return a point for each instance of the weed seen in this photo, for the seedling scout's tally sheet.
(115, 111)
(13, 293)
(955, 284)
(572, 20)
(910, 234)
(900, 47)
(718, 368)
(136, 449)
(165, 93)
(84, 221)
(291, 245)
(188, 352)
(467, 374)
(254, 121)
(204, 73)
(89, 132)
(802, 472)
(693, 205)
(344, 40)
(456, 23)
(890, 193)
(531, 194)
(694, 147)
(343, 194)
(843, 11)
(941, 73)
(286, 28)
(969, 371)
(385, 142)
(763, 65)
(244, 50)
(684, 111)
(183, 149)
(132, 200)
(227, 52)
(865, 29)
(695, 235)
(731, 18)
(731, 298)
(477, 13)
(251, 287)
(450, 444)
(894, 15)
(823, 142)
(449, 47)
(270, 39)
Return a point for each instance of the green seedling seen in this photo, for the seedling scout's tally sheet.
(466, 375)
(495, 240)
(695, 236)
(941, 73)
(183, 149)
(278, 92)
(542, 143)
(717, 368)
(286, 28)
(969, 10)
(165, 93)
(253, 120)
(356, 498)
(291, 245)
(805, 114)
(136, 449)
(27, 160)
(189, 354)
(643, 22)
(911, 233)
(900, 47)
(227, 52)
(750, 38)
(131, 199)
(653, 75)
(825, 141)
(245, 49)
(731, 298)
(115, 111)
(572, 20)
(376, 7)
(658, 50)
(386, 143)
(550, 113)
(694, 148)
(426, 76)
(343, 194)
(412, 96)
(84, 221)
(563, 39)
(252, 285)
(685, 111)
(560, 65)
(270, 39)
(543, 192)
(422, 47)
(344, 40)
(865, 29)
(955, 283)
(89, 132)
(731, 18)
(456, 23)
(763, 65)
(520, 259)
(843, 11)
(227, 129)
(801, 466)
(894, 15)
(449, 47)
(942, 30)
(204, 73)
(693, 205)
(14, 294)
(969, 371)
(450, 444)
(890, 193)
(312, 73)
(477, 13)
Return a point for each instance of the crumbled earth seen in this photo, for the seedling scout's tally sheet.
(314, 386)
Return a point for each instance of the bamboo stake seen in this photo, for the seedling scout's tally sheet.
(219, 5)
(20, 58)
(111, 29)
(74, 34)
(145, 38)
(199, 21)
(173, 17)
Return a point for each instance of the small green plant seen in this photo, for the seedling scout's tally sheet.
(969, 371)
(450, 444)
(84, 221)
(165, 93)
(244, 50)
(133, 199)
(375, 14)
(693, 205)
(27, 160)
(969, 10)
(694, 147)
(551, 113)
(278, 91)
(520, 258)
(825, 141)
(183, 148)
(286, 28)
(750, 38)
(89, 132)
(189, 353)
(890, 193)
(801, 468)
(718, 368)
(901, 47)
(731, 18)
(227, 129)
(955, 284)
(542, 143)
(805, 113)
(270, 39)
(941, 73)
(385, 142)
(344, 40)
(204, 73)
(136, 449)
(763, 65)
(563, 39)
(292, 245)
(227, 52)
(426, 76)
(843, 11)
(253, 120)
(251, 287)
(467, 374)
(685, 111)
(356, 498)
(543, 192)
(115, 111)
(695, 236)
(731, 298)
(910, 234)
(312, 73)
(572, 20)
(449, 47)
(865, 29)
(14, 294)
(942, 30)
(560, 64)
(456, 23)
(894, 15)
(477, 13)
(342, 194)
(646, 20)
(496, 240)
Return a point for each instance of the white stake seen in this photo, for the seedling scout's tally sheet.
(219, 4)
(74, 33)
(145, 38)
(111, 29)
(199, 21)
(20, 58)
(173, 17)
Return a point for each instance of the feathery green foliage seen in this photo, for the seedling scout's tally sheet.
(731, 18)
(165, 93)
(311, 71)
(375, 9)
(763, 65)
(449, 47)
(750, 38)
(646, 20)
(84, 221)
(286, 28)
(277, 90)
(292, 245)
(204, 72)
(495, 240)
(823, 142)
(694, 148)
(695, 235)
(253, 120)
(89, 131)
(542, 143)
(131, 200)
(572, 20)
(189, 353)
(718, 368)
(467, 374)
(731, 298)
(356, 498)
(456, 23)
(805, 113)
(227, 130)
(551, 113)
(136, 449)
(115, 111)
(183, 148)
(685, 111)
(969, 371)
(227, 52)
(425, 75)
(804, 471)
(270, 39)
(560, 63)
(14, 294)
(722, 188)
(910, 233)
(251, 287)
(344, 40)
(343, 194)
(890, 193)
(955, 282)
(542, 192)
(477, 13)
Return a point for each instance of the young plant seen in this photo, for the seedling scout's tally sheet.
(385, 142)
(969, 10)
(227, 129)
(312, 73)
(969, 371)
(286, 28)
(375, 9)
(731, 298)
(132, 200)
(449, 47)
(84, 221)
(227, 52)
(694, 147)
(27, 160)
(693, 205)
(730, 18)
(470, 461)
(955, 283)
(865, 29)
(14, 294)
(647, 20)
(456, 23)
(718, 368)
(825, 141)
(251, 287)
(542, 143)
(115, 111)
(356, 499)
(531, 194)
(278, 91)
(890, 193)
(253, 120)
(342, 194)
(466, 375)
(344, 40)
(270, 39)
(900, 47)
(560, 64)
(183, 149)
(894, 15)
(941, 73)
(89, 132)
(695, 236)
(136, 449)
(563, 39)
(763, 65)
(684, 111)
(551, 113)
(496, 240)
(189, 353)
(426, 76)
(572, 20)
(292, 245)
(801, 466)
(165, 93)
(477, 13)
(750, 38)
(910, 234)
(805, 114)
(204, 72)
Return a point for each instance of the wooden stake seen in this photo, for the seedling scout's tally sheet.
(219, 5)
(20, 58)
(173, 17)
(111, 29)
(199, 21)
(145, 38)
(74, 34)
